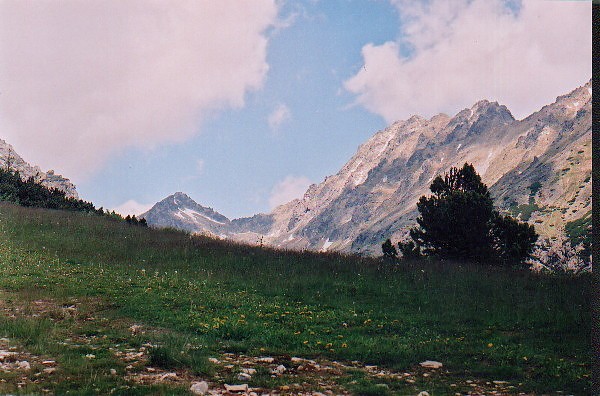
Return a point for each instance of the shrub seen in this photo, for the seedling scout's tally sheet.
(409, 250)
(389, 251)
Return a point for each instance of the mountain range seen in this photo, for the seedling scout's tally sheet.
(538, 169)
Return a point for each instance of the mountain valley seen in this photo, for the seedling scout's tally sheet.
(538, 169)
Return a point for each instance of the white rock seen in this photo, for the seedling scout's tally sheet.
(267, 359)
(214, 360)
(236, 388)
(423, 393)
(279, 369)
(24, 365)
(431, 364)
(244, 377)
(113, 372)
(250, 371)
(171, 376)
(199, 388)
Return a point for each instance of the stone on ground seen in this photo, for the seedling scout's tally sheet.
(199, 388)
(431, 364)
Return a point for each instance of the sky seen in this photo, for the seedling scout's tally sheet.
(242, 105)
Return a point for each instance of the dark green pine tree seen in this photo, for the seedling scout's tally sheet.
(454, 221)
(459, 222)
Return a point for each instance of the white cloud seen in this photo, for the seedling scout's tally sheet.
(80, 81)
(462, 51)
(291, 187)
(132, 207)
(278, 116)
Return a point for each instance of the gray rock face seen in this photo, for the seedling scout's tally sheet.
(9, 158)
(538, 168)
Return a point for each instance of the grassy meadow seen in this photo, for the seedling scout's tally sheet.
(104, 305)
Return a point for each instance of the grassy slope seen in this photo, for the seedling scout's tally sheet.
(207, 297)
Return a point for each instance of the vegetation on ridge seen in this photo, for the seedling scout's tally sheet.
(31, 193)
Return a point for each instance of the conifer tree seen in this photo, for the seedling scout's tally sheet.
(459, 222)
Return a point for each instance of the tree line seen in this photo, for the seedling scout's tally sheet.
(32, 193)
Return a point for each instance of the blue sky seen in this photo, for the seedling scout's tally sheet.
(243, 104)
(242, 157)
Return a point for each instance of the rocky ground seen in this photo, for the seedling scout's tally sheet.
(233, 373)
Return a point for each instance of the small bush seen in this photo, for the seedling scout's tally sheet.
(389, 251)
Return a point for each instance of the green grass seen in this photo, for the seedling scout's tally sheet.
(200, 297)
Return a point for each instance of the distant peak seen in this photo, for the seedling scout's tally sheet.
(178, 198)
(181, 196)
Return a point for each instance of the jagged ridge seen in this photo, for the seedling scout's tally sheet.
(538, 169)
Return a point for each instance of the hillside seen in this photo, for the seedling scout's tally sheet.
(94, 306)
(538, 169)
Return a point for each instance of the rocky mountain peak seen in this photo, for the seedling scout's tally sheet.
(180, 211)
(487, 109)
(9, 158)
(181, 199)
